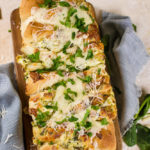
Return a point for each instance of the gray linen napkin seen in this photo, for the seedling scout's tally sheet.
(126, 55)
(11, 137)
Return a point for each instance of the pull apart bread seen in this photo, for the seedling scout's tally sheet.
(71, 102)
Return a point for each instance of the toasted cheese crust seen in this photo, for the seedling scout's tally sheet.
(71, 102)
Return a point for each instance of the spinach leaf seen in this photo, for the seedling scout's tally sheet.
(64, 4)
(143, 137)
(90, 54)
(34, 57)
(144, 108)
(130, 138)
(89, 134)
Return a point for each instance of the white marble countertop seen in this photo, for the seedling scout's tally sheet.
(138, 10)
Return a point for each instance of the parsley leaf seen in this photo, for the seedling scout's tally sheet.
(87, 79)
(67, 22)
(90, 54)
(71, 81)
(60, 122)
(60, 72)
(104, 121)
(64, 4)
(69, 92)
(88, 125)
(86, 115)
(73, 35)
(95, 107)
(80, 24)
(84, 8)
(66, 46)
(72, 68)
(61, 83)
(34, 57)
(48, 4)
(78, 53)
(72, 119)
(89, 134)
(99, 71)
(134, 27)
(72, 59)
(55, 107)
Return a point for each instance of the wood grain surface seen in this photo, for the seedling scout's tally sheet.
(27, 128)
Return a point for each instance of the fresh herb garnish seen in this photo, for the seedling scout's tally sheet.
(73, 35)
(60, 72)
(86, 44)
(69, 93)
(87, 79)
(9, 30)
(34, 57)
(89, 134)
(61, 83)
(72, 119)
(80, 24)
(48, 4)
(71, 81)
(84, 8)
(95, 107)
(139, 134)
(86, 115)
(41, 118)
(78, 53)
(72, 59)
(88, 125)
(90, 54)
(55, 28)
(72, 68)
(104, 121)
(66, 46)
(67, 22)
(60, 122)
(99, 71)
(134, 27)
(64, 4)
(54, 107)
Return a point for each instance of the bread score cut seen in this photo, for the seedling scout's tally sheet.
(71, 102)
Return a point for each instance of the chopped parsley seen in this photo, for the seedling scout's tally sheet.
(87, 79)
(9, 30)
(67, 22)
(134, 27)
(61, 83)
(78, 53)
(72, 59)
(89, 134)
(72, 68)
(104, 121)
(66, 46)
(60, 73)
(68, 93)
(60, 122)
(80, 24)
(71, 81)
(55, 28)
(86, 44)
(73, 35)
(41, 118)
(88, 125)
(90, 54)
(86, 115)
(64, 4)
(54, 107)
(99, 71)
(95, 107)
(34, 57)
(72, 119)
(84, 8)
(48, 4)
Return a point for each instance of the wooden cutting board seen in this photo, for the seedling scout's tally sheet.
(27, 128)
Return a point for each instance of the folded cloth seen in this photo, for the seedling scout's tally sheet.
(11, 136)
(126, 55)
